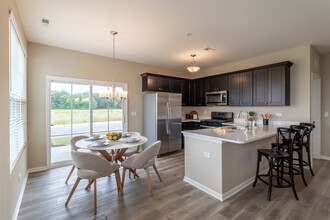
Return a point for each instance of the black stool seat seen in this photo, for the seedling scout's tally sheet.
(271, 153)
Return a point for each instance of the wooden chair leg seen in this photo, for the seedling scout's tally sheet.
(72, 169)
(123, 180)
(72, 191)
(160, 179)
(135, 174)
(95, 198)
(149, 181)
(89, 184)
(119, 187)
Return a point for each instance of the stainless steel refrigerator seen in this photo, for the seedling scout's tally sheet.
(162, 120)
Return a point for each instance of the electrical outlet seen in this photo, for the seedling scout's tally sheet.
(207, 155)
(278, 114)
(326, 114)
(133, 113)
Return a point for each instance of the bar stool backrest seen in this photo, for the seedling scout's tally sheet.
(302, 133)
(310, 127)
(288, 137)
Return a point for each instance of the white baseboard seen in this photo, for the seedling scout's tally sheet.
(226, 195)
(205, 189)
(325, 157)
(36, 169)
(238, 188)
(20, 196)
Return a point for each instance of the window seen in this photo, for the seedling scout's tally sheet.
(17, 95)
(76, 108)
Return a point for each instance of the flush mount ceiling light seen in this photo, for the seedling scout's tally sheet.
(193, 68)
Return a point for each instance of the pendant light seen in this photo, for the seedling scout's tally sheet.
(193, 68)
(110, 96)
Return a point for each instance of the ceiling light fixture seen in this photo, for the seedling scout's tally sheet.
(193, 68)
(110, 96)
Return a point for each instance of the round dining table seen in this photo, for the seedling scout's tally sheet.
(114, 150)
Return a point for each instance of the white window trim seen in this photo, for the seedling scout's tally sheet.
(49, 80)
(17, 30)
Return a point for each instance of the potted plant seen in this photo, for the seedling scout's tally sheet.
(251, 116)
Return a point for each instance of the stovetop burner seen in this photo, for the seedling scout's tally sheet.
(217, 118)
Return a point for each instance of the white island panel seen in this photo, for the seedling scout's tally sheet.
(232, 163)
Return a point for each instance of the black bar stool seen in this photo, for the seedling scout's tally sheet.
(306, 144)
(298, 148)
(276, 157)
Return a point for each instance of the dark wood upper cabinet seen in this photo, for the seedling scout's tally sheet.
(276, 86)
(272, 85)
(176, 85)
(240, 89)
(233, 95)
(260, 86)
(155, 83)
(218, 83)
(246, 88)
(185, 93)
(199, 92)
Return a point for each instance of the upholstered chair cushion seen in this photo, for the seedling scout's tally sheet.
(91, 166)
(144, 159)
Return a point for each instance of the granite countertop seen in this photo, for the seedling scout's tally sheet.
(237, 136)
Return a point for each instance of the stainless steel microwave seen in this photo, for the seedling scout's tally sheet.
(216, 98)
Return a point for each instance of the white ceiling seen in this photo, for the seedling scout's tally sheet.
(154, 31)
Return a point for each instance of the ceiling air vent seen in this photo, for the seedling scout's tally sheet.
(209, 49)
(45, 22)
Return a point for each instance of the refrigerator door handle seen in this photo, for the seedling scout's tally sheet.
(167, 118)
(170, 117)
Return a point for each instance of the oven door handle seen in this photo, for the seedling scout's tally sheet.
(207, 126)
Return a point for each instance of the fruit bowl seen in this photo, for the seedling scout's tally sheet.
(113, 136)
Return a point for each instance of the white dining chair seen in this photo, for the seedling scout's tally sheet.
(90, 166)
(143, 160)
(74, 147)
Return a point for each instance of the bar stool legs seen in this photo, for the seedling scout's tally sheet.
(309, 160)
(292, 182)
(270, 183)
(257, 173)
(301, 166)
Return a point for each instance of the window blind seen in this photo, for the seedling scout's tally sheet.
(17, 95)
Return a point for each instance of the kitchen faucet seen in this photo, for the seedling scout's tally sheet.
(246, 119)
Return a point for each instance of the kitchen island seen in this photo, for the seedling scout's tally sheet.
(222, 164)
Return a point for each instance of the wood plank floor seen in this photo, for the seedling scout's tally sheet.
(46, 193)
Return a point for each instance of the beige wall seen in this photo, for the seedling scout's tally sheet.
(45, 60)
(9, 185)
(299, 110)
(325, 105)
